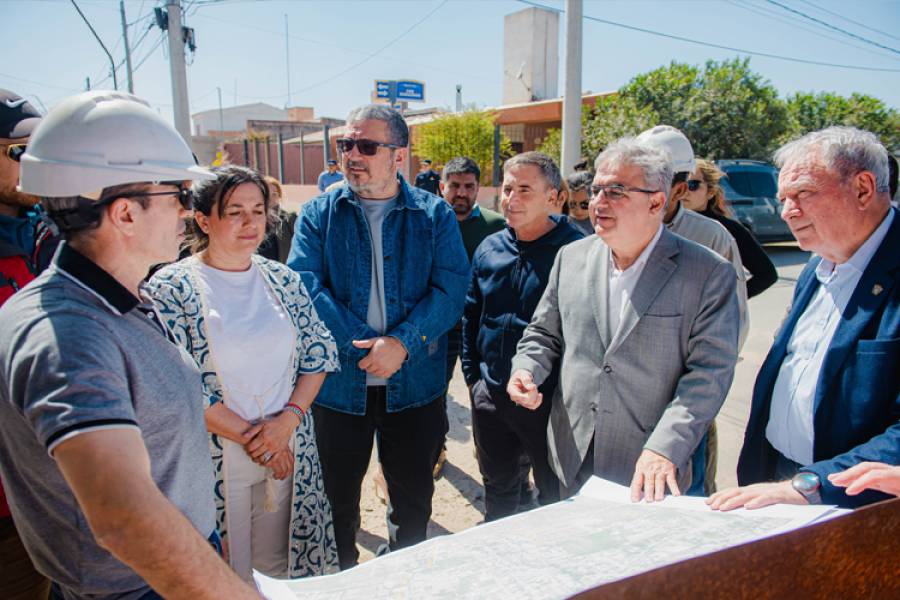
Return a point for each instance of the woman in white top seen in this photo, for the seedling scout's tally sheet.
(263, 354)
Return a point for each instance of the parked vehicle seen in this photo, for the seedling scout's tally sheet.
(751, 192)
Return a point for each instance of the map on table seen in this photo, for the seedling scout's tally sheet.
(597, 537)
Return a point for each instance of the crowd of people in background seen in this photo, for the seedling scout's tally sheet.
(193, 378)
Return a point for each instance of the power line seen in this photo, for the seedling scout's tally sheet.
(374, 54)
(815, 30)
(857, 23)
(341, 73)
(830, 26)
(719, 46)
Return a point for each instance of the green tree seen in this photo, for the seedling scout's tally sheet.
(725, 109)
(470, 133)
(810, 112)
(609, 119)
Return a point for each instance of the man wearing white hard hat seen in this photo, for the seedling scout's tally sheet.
(103, 447)
(711, 234)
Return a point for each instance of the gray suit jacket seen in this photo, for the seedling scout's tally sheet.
(657, 382)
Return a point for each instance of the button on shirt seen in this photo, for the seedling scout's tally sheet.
(790, 429)
(622, 283)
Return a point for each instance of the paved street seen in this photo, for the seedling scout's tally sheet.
(458, 499)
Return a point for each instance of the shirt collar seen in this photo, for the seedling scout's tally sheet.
(88, 275)
(641, 259)
(476, 212)
(826, 269)
(676, 217)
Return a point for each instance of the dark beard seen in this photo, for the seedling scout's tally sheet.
(10, 197)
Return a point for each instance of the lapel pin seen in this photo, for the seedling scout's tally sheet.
(877, 289)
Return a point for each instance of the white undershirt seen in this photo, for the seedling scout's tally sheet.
(251, 338)
(622, 283)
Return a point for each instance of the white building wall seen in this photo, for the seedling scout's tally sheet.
(530, 56)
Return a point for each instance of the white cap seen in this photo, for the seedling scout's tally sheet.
(100, 139)
(675, 143)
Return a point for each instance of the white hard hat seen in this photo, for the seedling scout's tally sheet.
(666, 137)
(100, 139)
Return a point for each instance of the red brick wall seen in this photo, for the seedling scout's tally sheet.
(314, 161)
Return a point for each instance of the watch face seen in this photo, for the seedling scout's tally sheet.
(805, 482)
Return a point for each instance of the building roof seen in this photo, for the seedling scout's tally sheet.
(237, 109)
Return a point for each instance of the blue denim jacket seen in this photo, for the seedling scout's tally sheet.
(425, 278)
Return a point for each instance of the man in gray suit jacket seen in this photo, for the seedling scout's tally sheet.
(645, 324)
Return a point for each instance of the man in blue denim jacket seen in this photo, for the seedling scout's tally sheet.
(386, 268)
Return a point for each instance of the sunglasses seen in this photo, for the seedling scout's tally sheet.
(365, 147)
(584, 204)
(693, 184)
(15, 151)
(185, 196)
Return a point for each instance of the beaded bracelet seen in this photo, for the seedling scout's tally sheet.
(294, 408)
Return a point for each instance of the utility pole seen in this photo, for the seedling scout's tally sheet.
(287, 58)
(221, 117)
(127, 48)
(177, 70)
(571, 125)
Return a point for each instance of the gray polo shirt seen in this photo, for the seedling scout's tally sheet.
(80, 353)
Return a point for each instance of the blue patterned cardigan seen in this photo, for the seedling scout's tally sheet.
(312, 549)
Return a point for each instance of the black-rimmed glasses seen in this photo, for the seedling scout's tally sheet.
(185, 196)
(366, 147)
(15, 151)
(694, 184)
(614, 191)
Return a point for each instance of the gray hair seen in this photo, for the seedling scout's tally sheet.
(580, 180)
(654, 162)
(461, 165)
(844, 150)
(544, 163)
(397, 127)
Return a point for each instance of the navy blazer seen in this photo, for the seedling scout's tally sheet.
(857, 403)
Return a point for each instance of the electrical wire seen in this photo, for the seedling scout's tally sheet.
(849, 20)
(830, 26)
(719, 46)
(815, 30)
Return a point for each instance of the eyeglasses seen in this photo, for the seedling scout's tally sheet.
(366, 147)
(614, 191)
(185, 196)
(15, 151)
(584, 204)
(694, 184)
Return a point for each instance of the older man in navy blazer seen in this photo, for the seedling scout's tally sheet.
(828, 395)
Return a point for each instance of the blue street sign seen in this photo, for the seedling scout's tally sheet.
(382, 88)
(411, 90)
(400, 90)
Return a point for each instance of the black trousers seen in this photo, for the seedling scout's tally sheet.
(503, 431)
(407, 443)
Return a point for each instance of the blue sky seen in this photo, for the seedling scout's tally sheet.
(338, 48)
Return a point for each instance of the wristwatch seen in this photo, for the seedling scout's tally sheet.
(807, 484)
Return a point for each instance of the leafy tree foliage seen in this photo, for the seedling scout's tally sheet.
(816, 111)
(470, 133)
(726, 110)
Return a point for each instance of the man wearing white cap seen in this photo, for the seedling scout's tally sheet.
(711, 234)
(103, 447)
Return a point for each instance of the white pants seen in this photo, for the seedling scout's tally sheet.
(256, 538)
